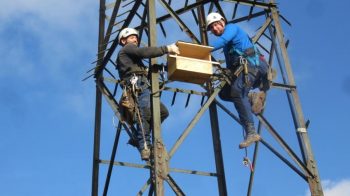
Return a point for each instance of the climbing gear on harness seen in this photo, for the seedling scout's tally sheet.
(145, 154)
(257, 100)
(127, 99)
(251, 54)
(133, 82)
(243, 62)
(248, 163)
(251, 138)
(140, 73)
(127, 106)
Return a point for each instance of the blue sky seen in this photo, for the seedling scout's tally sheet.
(47, 112)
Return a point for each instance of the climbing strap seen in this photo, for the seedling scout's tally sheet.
(251, 54)
(135, 89)
(246, 161)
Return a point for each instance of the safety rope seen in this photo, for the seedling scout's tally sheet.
(133, 82)
(246, 161)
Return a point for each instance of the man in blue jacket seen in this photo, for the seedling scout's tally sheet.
(239, 51)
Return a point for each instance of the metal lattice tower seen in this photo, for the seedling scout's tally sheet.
(141, 14)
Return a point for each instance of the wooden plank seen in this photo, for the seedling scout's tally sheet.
(194, 50)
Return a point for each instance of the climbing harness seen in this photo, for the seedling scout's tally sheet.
(251, 54)
(248, 163)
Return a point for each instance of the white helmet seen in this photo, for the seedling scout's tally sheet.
(213, 17)
(127, 32)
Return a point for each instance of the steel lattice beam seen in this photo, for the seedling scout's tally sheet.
(271, 29)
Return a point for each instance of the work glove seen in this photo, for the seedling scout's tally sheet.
(173, 49)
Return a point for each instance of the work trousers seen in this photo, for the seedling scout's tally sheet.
(239, 89)
(144, 104)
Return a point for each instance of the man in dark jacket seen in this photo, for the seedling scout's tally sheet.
(133, 72)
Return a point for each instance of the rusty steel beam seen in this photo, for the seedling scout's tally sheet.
(178, 12)
(314, 183)
(262, 30)
(253, 3)
(195, 119)
(268, 146)
(183, 10)
(111, 22)
(100, 66)
(285, 146)
(244, 18)
(214, 122)
(174, 186)
(98, 108)
(308, 170)
(179, 21)
(148, 166)
(110, 166)
(158, 155)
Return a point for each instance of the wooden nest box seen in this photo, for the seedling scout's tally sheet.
(192, 65)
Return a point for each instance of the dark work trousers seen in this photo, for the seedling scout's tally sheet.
(144, 103)
(238, 94)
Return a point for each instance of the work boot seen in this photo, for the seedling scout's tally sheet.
(145, 154)
(257, 100)
(254, 137)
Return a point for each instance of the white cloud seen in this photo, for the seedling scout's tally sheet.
(341, 188)
(59, 12)
(49, 44)
(58, 28)
(335, 188)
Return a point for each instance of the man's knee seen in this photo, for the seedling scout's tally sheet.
(146, 113)
(225, 93)
(236, 91)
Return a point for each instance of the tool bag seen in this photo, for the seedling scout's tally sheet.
(127, 106)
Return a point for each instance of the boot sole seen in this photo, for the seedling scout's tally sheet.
(255, 139)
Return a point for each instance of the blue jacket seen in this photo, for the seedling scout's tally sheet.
(233, 38)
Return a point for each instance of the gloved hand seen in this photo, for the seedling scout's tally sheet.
(173, 49)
